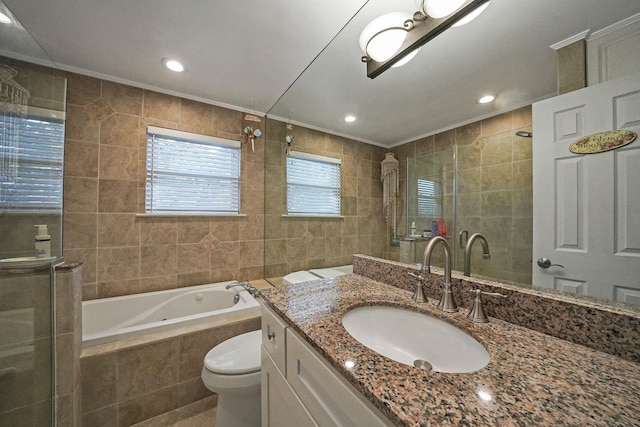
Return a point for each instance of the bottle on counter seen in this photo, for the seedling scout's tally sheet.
(442, 228)
(43, 242)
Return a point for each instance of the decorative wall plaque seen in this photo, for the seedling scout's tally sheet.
(603, 141)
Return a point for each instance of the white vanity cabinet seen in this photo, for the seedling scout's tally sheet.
(299, 388)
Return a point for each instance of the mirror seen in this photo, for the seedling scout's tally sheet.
(419, 108)
(32, 114)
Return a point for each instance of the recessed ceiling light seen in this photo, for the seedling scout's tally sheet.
(485, 99)
(4, 18)
(350, 119)
(173, 65)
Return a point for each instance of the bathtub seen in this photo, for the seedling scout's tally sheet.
(316, 273)
(111, 319)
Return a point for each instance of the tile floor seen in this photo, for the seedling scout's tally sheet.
(197, 414)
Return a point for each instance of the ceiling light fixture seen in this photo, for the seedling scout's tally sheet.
(349, 119)
(486, 99)
(173, 65)
(393, 39)
(4, 19)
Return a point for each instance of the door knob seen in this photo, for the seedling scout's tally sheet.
(546, 263)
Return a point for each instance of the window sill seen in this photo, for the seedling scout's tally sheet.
(179, 215)
(312, 216)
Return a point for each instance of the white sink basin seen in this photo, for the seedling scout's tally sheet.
(414, 338)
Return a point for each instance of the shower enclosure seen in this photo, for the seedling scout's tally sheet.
(480, 186)
(32, 105)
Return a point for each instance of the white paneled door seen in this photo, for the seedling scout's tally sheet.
(587, 206)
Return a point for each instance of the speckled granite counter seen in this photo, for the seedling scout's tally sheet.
(532, 379)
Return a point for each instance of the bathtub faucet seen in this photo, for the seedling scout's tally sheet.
(247, 287)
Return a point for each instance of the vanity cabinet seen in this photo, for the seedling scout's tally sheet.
(299, 388)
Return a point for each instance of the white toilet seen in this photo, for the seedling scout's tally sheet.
(232, 370)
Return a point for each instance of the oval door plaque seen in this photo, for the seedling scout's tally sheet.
(603, 141)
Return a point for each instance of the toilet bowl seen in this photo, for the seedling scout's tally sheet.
(232, 370)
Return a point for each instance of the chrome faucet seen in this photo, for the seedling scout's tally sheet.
(247, 286)
(467, 251)
(447, 303)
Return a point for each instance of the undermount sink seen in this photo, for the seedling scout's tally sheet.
(415, 339)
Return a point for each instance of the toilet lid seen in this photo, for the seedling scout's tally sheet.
(237, 355)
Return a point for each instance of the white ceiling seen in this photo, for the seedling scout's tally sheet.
(245, 55)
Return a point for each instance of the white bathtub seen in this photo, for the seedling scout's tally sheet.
(110, 319)
(316, 273)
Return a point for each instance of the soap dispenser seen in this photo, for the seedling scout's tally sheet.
(43, 242)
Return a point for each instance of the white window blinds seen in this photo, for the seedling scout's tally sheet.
(191, 174)
(313, 185)
(31, 159)
(427, 201)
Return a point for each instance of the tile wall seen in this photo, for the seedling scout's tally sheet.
(494, 190)
(104, 190)
(293, 244)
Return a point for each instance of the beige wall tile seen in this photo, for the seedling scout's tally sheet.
(81, 159)
(196, 115)
(158, 231)
(80, 230)
(160, 106)
(496, 124)
(497, 150)
(118, 264)
(118, 230)
(497, 177)
(99, 381)
(122, 98)
(117, 196)
(120, 129)
(82, 90)
(192, 257)
(226, 255)
(118, 288)
(80, 195)
(119, 163)
(158, 260)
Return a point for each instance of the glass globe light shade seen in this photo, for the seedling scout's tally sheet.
(384, 36)
(406, 59)
(473, 15)
(441, 8)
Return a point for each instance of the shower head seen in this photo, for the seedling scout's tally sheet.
(524, 134)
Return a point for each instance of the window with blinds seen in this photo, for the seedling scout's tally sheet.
(427, 201)
(191, 174)
(31, 159)
(313, 185)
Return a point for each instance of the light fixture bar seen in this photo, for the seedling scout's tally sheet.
(422, 32)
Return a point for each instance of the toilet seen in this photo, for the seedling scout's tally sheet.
(232, 370)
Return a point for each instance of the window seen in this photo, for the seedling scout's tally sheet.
(313, 185)
(191, 174)
(31, 158)
(427, 203)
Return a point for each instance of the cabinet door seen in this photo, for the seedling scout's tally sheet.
(325, 393)
(274, 339)
(280, 406)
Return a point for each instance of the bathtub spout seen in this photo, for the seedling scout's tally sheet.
(247, 286)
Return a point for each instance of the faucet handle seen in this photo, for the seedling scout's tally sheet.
(477, 311)
(418, 294)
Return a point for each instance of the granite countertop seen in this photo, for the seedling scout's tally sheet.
(532, 379)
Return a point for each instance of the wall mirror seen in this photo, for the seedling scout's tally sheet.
(413, 103)
(32, 121)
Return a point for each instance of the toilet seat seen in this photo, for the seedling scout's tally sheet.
(235, 356)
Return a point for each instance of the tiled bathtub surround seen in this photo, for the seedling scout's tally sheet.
(130, 381)
(586, 322)
(532, 379)
(105, 151)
